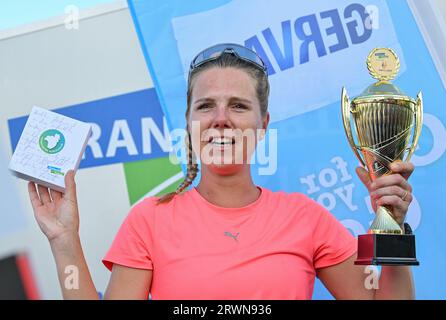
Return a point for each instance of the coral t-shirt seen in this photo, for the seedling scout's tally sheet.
(269, 249)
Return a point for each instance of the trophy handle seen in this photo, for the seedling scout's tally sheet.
(417, 126)
(345, 110)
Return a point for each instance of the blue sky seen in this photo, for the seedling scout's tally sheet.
(14, 13)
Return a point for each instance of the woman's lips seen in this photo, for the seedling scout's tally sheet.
(221, 140)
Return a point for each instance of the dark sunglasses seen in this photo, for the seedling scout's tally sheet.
(214, 52)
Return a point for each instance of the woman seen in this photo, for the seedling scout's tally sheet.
(227, 238)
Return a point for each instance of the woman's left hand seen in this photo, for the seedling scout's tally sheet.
(392, 190)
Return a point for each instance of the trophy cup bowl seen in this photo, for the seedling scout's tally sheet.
(387, 125)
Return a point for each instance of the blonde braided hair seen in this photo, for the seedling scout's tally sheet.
(192, 171)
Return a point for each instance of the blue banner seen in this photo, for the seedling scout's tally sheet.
(125, 128)
(313, 49)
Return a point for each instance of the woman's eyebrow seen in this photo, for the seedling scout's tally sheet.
(203, 100)
(242, 100)
(231, 100)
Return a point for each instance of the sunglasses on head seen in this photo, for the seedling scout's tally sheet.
(214, 52)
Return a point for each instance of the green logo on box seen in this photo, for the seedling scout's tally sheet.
(51, 141)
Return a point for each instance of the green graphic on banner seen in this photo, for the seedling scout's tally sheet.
(152, 177)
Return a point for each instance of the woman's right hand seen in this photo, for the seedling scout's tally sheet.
(56, 213)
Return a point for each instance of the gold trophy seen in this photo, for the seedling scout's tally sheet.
(387, 127)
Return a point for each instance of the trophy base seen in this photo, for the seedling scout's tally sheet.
(386, 249)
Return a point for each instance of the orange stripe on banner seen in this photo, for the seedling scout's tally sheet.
(26, 274)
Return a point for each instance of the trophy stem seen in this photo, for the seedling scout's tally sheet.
(384, 223)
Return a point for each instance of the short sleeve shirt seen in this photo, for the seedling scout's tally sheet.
(269, 249)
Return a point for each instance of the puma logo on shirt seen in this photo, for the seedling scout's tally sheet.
(234, 236)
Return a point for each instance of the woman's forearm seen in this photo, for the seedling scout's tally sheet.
(396, 282)
(74, 277)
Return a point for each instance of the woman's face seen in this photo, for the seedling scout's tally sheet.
(224, 118)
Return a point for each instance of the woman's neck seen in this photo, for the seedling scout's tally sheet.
(228, 191)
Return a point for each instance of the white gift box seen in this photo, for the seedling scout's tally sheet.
(50, 145)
